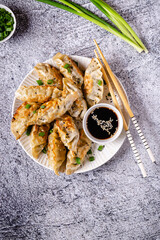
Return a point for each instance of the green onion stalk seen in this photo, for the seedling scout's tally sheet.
(110, 12)
(126, 32)
(114, 20)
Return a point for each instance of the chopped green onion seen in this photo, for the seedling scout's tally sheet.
(51, 131)
(39, 82)
(43, 106)
(68, 67)
(89, 152)
(28, 130)
(34, 111)
(100, 148)
(113, 19)
(41, 134)
(6, 23)
(44, 150)
(8, 29)
(78, 160)
(28, 106)
(91, 159)
(50, 81)
(99, 82)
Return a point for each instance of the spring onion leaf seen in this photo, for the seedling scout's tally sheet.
(6, 23)
(34, 111)
(50, 81)
(78, 160)
(51, 131)
(113, 19)
(44, 150)
(68, 67)
(39, 82)
(76, 63)
(100, 148)
(91, 159)
(43, 106)
(120, 20)
(41, 134)
(99, 82)
(28, 106)
(90, 13)
(126, 32)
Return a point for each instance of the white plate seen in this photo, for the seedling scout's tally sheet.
(100, 157)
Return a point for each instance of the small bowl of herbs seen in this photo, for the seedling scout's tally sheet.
(7, 23)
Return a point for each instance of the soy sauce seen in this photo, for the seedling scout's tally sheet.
(102, 123)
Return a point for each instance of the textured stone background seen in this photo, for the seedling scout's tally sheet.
(112, 202)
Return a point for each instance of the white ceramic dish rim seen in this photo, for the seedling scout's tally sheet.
(14, 26)
(120, 123)
(92, 165)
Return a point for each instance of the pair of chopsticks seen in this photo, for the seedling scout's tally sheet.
(110, 77)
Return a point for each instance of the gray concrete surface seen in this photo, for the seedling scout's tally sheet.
(112, 202)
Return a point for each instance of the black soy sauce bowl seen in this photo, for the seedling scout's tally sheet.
(119, 128)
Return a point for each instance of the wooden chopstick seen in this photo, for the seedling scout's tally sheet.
(126, 104)
(111, 91)
(128, 134)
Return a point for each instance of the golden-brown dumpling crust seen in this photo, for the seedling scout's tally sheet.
(21, 117)
(53, 109)
(38, 94)
(38, 142)
(93, 83)
(78, 108)
(68, 132)
(47, 72)
(83, 146)
(72, 71)
(56, 152)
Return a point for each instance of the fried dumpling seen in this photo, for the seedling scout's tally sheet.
(51, 110)
(83, 146)
(68, 132)
(62, 168)
(39, 94)
(21, 117)
(68, 68)
(56, 152)
(78, 108)
(49, 75)
(38, 139)
(69, 86)
(93, 83)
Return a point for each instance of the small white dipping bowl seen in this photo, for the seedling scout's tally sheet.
(14, 25)
(120, 123)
